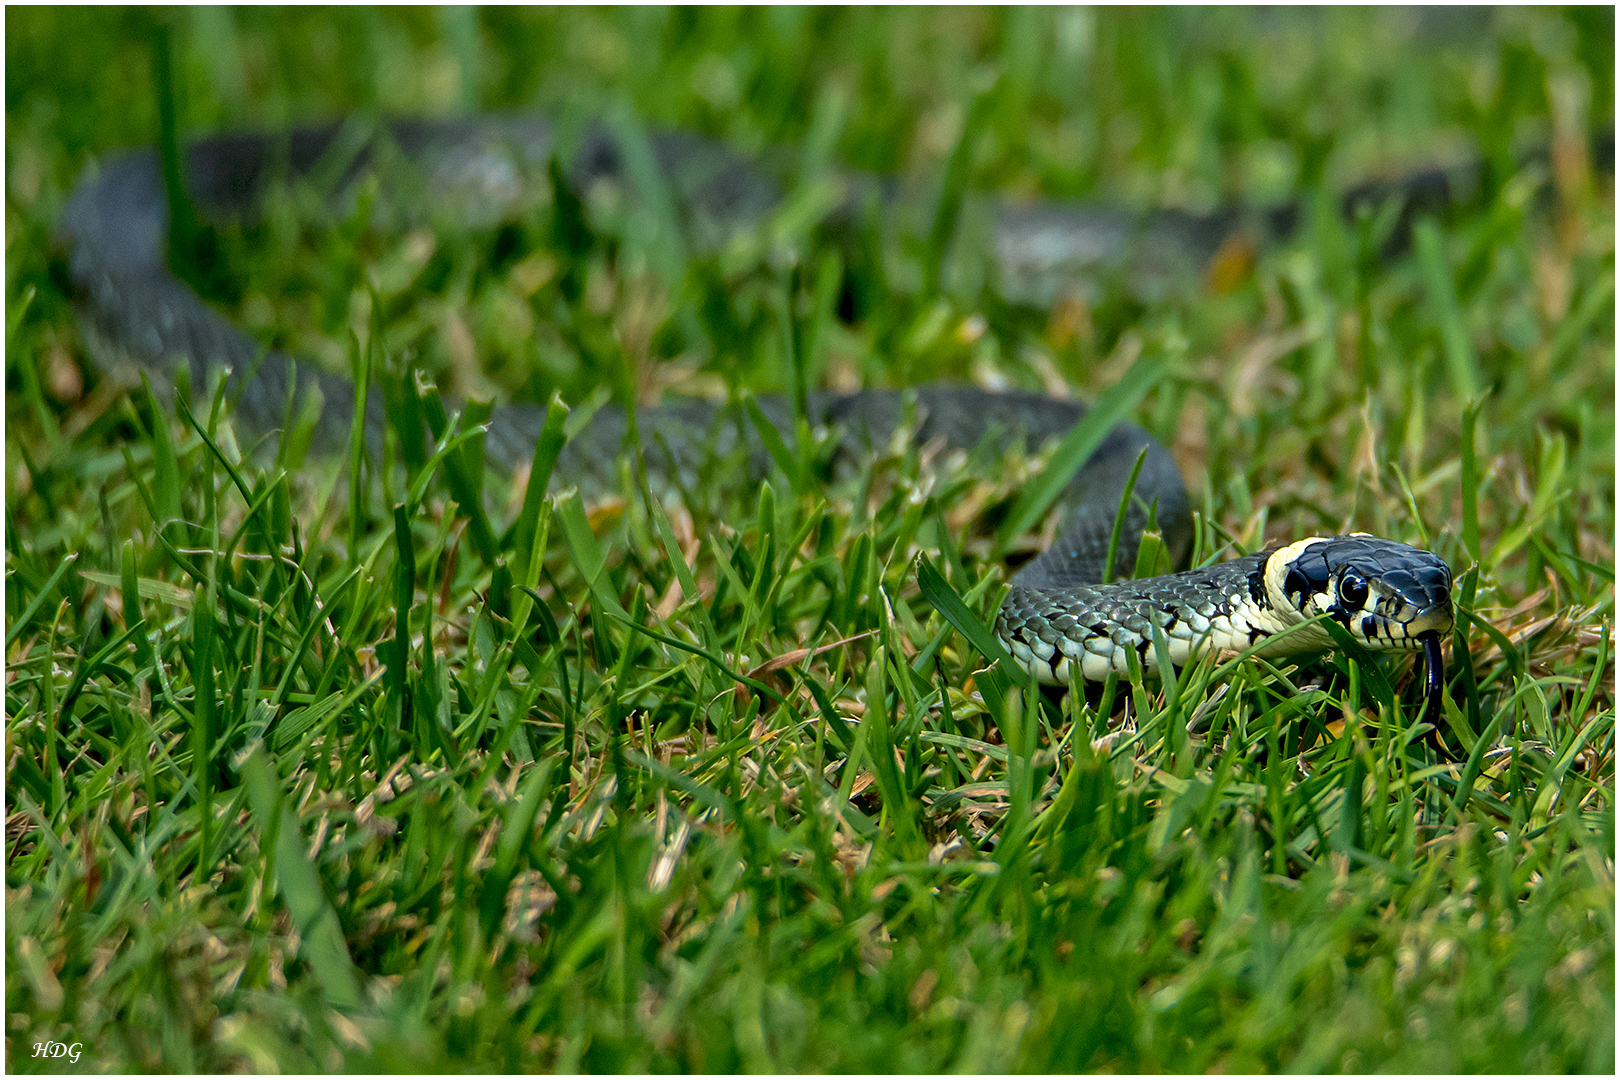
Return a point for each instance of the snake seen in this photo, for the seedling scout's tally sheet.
(1062, 616)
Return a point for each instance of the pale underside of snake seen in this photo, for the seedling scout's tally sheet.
(1058, 620)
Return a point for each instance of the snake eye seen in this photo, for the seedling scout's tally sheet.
(1352, 591)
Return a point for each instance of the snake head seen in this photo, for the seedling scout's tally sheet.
(1388, 595)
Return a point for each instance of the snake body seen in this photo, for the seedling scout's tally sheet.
(1058, 618)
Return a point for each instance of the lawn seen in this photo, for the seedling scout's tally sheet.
(304, 773)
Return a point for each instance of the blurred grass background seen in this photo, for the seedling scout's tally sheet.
(622, 864)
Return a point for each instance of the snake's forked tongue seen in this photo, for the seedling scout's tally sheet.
(1434, 669)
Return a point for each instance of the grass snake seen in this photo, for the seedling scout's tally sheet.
(1058, 619)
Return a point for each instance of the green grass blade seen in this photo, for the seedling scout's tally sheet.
(1461, 365)
(300, 885)
(360, 360)
(19, 624)
(1118, 532)
(790, 463)
(1082, 439)
(546, 450)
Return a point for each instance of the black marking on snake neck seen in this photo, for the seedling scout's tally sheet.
(1296, 586)
(1257, 586)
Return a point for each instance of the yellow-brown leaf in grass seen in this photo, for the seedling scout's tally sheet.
(1519, 630)
(770, 672)
(884, 888)
(151, 589)
(1369, 719)
(970, 507)
(1503, 618)
(1070, 322)
(605, 514)
(1232, 262)
(666, 605)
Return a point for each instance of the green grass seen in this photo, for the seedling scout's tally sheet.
(295, 781)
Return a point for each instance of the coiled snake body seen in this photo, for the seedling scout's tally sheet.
(1058, 620)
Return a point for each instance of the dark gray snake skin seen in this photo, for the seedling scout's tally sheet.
(1057, 619)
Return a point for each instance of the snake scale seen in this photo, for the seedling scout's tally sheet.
(1058, 619)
